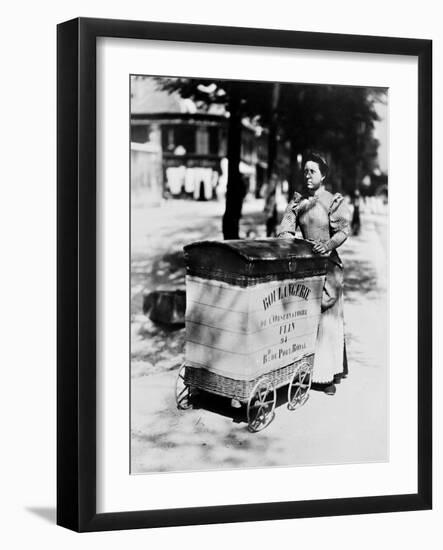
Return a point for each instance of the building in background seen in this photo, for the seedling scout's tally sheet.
(146, 174)
(191, 145)
(180, 150)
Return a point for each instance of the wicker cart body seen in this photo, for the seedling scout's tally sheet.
(252, 313)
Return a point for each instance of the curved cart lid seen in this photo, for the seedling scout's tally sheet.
(247, 262)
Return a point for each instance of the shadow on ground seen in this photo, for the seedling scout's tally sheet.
(164, 266)
(155, 347)
(48, 514)
(202, 438)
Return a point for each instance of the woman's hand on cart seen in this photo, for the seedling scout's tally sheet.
(319, 247)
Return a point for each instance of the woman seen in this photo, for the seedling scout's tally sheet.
(324, 219)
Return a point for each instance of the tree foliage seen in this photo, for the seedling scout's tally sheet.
(337, 120)
(241, 99)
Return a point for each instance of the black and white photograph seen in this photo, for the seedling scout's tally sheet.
(221, 254)
(259, 253)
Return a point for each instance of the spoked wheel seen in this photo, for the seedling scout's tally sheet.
(298, 390)
(261, 405)
(183, 395)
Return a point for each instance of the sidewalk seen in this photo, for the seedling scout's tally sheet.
(350, 427)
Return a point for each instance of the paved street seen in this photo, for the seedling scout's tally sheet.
(352, 426)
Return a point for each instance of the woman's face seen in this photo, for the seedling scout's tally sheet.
(313, 176)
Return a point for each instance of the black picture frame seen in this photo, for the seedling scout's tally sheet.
(76, 278)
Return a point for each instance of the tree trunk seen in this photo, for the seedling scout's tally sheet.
(272, 139)
(296, 176)
(235, 189)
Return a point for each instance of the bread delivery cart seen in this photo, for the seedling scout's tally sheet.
(252, 315)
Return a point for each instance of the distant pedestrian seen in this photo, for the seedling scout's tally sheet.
(356, 222)
(270, 208)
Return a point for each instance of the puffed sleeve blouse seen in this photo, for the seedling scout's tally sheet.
(324, 217)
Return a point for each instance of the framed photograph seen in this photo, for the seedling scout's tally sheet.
(244, 274)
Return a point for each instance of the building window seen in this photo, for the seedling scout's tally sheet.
(139, 133)
(213, 140)
(170, 137)
(202, 140)
(168, 141)
(223, 142)
(185, 136)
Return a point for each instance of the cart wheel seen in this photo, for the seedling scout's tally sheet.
(298, 390)
(183, 394)
(261, 405)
